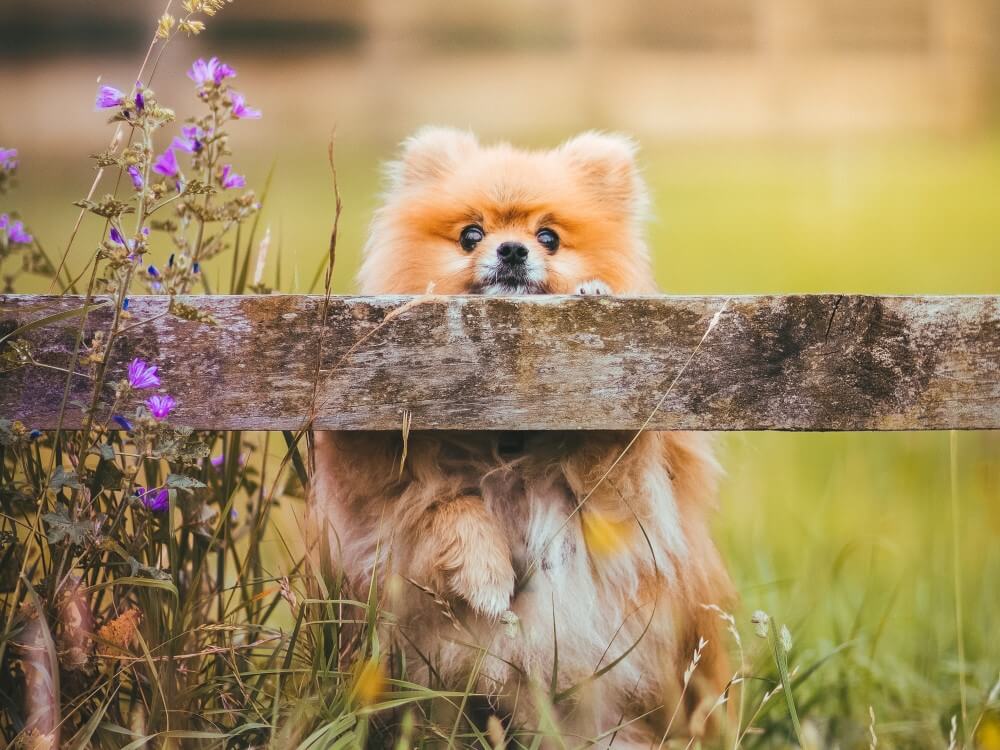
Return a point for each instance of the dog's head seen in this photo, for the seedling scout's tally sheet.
(463, 218)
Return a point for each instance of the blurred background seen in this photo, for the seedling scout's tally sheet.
(790, 146)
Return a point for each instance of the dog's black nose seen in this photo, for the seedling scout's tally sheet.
(513, 253)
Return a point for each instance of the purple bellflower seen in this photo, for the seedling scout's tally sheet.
(212, 70)
(166, 164)
(160, 406)
(142, 375)
(136, 176)
(108, 97)
(240, 109)
(229, 179)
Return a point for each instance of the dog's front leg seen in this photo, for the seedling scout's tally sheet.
(463, 549)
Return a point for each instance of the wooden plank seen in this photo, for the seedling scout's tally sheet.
(798, 362)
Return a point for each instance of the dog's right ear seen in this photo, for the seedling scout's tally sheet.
(429, 154)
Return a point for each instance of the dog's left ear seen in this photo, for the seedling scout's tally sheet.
(429, 154)
(607, 163)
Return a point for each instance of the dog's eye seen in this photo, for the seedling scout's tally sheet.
(548, 239)
(470, 237)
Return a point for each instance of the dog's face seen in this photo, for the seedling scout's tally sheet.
(461, 218)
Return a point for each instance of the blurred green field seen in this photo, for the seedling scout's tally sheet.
(847, 538)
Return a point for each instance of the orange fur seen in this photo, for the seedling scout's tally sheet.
(499, 534)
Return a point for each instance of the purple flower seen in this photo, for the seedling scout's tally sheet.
(160, 406)
(217, 461)
(155, 500)
(125, 304)
(153, 271)
(190, 139)
(229, 179)
(14, 231)
(109, 96)
(119, 420)
(142, 374)
(166, 164)
(212, 70)
(140, 100)
(240, 109)
(136, 176)
(116, 236)
(8, 158)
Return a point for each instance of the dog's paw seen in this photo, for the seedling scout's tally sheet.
(594, 286)
(486, 583)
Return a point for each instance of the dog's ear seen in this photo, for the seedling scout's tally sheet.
(429, 154)
(606, 162)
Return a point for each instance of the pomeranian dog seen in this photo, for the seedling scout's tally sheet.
(567, 574)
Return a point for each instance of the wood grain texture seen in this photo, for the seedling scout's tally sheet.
(798, 362)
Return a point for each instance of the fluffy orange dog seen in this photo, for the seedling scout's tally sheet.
(493, 523)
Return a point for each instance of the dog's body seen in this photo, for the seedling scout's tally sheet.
(536, 543)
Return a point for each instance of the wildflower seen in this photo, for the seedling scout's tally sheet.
(229, 179)
(136, 176)
(34, 435)
(108, 97)
(160, 406)
(219, 461)
(119, 634)
(142, 375)
(156, 500)
(140, 100)
(196, 267)
(240, 109)
(190, 139)
(125, 304)
(370, 682)
(119, 420)
(8, 158)
(213, 70)
(166, 164)
(14, 231)
(116, 236)
(152, 271)
(604, 536)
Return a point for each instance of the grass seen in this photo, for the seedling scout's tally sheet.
(879, 551)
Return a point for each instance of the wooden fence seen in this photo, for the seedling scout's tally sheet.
(796, 362)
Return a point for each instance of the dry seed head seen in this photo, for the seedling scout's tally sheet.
(164, 26)
(786, 638)
(192, 28)
(695, 659)
(728, 619)
(761, 621)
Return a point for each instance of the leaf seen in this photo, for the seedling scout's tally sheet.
(62, 478)
(64, 528)
(181, 446)
(184, 482)
(185, 311)
(107, 207)
(154, 573)
(781, 660)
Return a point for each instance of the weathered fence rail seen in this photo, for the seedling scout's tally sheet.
(798, 362)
